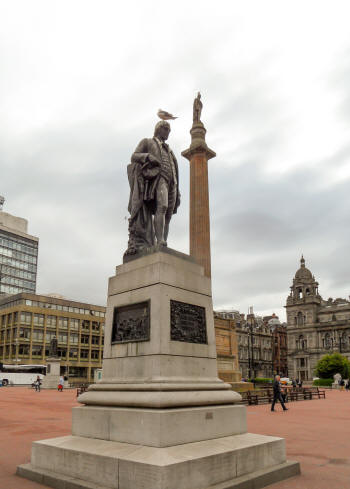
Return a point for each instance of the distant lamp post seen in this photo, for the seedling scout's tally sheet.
(250, 323)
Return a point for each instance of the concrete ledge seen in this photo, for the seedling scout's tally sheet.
(52, 479)
(262, 478)
(254, 480)
(159, 399)
(197, 465)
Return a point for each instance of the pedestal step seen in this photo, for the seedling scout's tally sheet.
(255, 480)
(112, 465)
(159, 427)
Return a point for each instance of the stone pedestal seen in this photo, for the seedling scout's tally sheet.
(52, 377)
(160, 418)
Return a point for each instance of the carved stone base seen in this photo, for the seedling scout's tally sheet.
(74, 462)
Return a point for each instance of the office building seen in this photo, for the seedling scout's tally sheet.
(28, 322)
(18, 255)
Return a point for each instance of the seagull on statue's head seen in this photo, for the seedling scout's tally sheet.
(163, 114)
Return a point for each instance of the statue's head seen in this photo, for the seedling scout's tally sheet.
(162, 130)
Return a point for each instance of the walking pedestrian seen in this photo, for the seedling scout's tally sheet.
(37, 384)
(61, 384)
(277, 394)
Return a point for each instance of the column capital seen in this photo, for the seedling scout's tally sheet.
(198, 144)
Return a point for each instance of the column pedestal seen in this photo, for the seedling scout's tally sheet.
(160, 418)
(52, 377)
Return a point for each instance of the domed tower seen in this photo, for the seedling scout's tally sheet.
(304, 291)
(302, 306)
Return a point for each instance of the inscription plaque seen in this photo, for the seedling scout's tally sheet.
(131, 323)
(187, 323)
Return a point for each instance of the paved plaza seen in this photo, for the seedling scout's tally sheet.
(316, 433)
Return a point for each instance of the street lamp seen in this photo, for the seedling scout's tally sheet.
(250, 321)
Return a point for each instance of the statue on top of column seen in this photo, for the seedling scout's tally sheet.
(154, 191)
(197, 108)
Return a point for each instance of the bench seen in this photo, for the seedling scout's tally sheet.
(248, 398)
(81, 389)
(315, 392)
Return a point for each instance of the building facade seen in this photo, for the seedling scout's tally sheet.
(254, 340)
(315, 326)
(28, 322)
(226, 349)
(279, 345)
(18, 255)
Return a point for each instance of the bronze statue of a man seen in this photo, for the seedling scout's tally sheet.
(154, 190)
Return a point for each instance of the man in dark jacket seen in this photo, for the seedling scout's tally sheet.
(277, 394)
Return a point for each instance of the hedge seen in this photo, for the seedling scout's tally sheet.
(261, 380)
(323, 382)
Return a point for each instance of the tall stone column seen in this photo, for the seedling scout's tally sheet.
(198, 155)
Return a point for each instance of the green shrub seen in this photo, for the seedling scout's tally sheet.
(323, 382)
(261, 380)
(332, 364)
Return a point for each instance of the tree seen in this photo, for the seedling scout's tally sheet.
(332, 364)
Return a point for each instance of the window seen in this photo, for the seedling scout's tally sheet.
(23, 349)
(39, 319)
(62, 337)
(95, 340)
(84, 354)
(301, 343)
(73, 353)
(85, 324)
(327, 341)
(38, 335)
(51, 321)
(94, 354)
(37, 350)
(26, 317)
(78, 372)
(85, 339)
(300, 319)
(24, 333)
(73, 338)
(74, 324)
(95, 326)
(62, 352)
(63, 323)
(49, 335)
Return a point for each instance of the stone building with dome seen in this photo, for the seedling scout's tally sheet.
(315, 326)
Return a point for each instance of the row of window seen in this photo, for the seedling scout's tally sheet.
(257, 354)
(16, 243)
(5, 260)
(51, 321)
(37, 350)
(18, 255)
(24, 284)
(14, 272)
(12, 289)
(327, 341)
(38, 335)
(57, 307)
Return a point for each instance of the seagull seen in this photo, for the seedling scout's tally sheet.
(162, 114)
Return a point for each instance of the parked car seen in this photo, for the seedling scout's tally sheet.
(285, 381)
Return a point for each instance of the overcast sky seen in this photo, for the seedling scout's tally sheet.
(80, 85)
